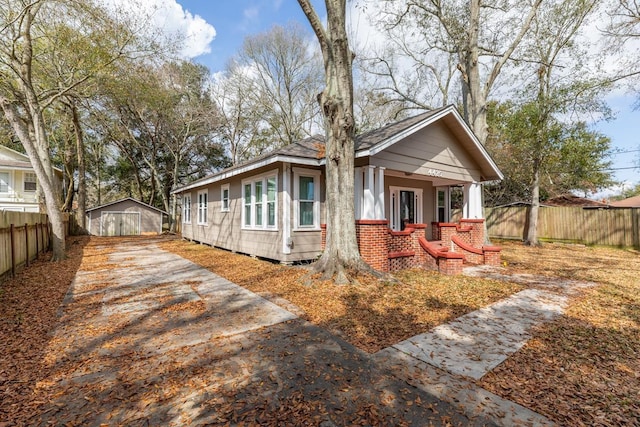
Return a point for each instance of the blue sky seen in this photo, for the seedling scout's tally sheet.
(234, 20)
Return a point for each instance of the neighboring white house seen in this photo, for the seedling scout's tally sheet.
(18, 183)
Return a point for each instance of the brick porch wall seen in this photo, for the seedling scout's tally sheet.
(372, 236)
(387, 250)
(477, 231)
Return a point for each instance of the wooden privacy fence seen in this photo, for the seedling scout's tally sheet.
(23, 236)
(609, 227)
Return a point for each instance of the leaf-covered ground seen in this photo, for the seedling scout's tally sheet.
(581, 369)
(371, 316)
(584, 367)
(29, 306)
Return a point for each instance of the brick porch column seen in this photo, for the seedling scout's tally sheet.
(477, 231)
(447, 229)
(421, 255)
(372, 235)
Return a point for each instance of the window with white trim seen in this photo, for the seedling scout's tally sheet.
(203, 205)
(29, 181)
(4, 182)
(306, 193)
(259, 208)
(224, 198)
(186, 208)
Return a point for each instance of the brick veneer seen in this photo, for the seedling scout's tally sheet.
(372, 236)
(387, 250)
(477, 231)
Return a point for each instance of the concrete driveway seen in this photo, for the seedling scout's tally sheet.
(149, 338)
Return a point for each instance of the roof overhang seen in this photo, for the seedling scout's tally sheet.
(248, 167)
(449, 114)
(460, 128)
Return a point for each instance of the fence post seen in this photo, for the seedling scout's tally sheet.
(13, 251)
(26, 240)
(635, 227)
(37, 240)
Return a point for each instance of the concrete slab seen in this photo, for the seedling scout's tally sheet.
(477, 342)
(473, 400)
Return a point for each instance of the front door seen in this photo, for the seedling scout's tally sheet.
(406, 207)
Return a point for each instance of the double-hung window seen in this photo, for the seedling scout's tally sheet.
(203, 205)
(259, 202)
(224, 198)
(306, 190)
(29, 181)
(186, 208)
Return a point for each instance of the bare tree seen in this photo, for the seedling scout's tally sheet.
(239, 120)
(336, 101)
(287, 77)
(476, 37)
(561, 84)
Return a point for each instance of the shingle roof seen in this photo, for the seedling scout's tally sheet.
(571, 200)
(123, 200)
(312, 148)
(631, 202)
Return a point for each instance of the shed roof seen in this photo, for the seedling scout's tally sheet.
(127, 199)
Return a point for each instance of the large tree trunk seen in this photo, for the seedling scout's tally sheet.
(341, 253)
(24, 130)
(82, 182)
(474, 96)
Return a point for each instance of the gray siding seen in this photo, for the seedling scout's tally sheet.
(434, 147)
(224, 229)
(428, 196)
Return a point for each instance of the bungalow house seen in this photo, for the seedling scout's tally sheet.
(273, 206)
(18, 182)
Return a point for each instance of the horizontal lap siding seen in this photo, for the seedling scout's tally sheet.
(150, 219)
(430, 148)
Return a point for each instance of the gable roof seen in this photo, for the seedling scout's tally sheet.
(310, 151)
(631, 202)
(14, 159)
(124, 200)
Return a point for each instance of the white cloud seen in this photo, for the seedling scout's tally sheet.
(167, 16)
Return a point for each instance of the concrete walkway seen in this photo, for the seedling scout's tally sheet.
(148, 338)
(474, 344)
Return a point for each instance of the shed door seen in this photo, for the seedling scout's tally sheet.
(120, 223)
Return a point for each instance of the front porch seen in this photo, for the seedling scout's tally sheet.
(452, 245)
